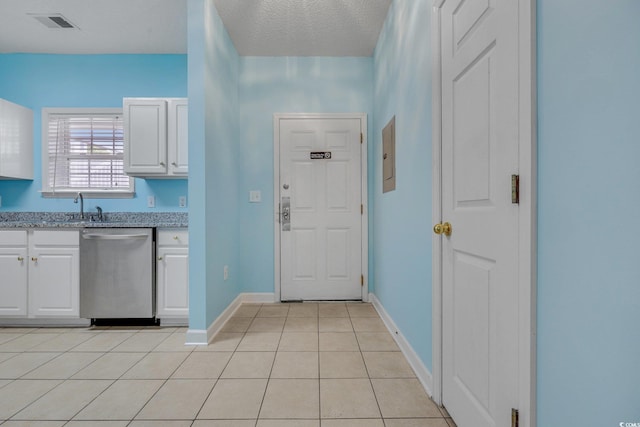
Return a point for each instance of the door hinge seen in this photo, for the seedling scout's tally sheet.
(515, 189)
(362, 280)
(361, 209)
(515, 419)
(361, 138)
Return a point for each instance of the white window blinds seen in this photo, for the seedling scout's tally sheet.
(86, 152)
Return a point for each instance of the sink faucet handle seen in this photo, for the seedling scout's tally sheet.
(99, 209)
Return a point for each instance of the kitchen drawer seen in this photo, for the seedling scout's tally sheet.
(173, 237)
(56, 238)
(13, 237)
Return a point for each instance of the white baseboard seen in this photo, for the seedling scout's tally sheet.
(423, 374)
(202, 337)
(44, 323)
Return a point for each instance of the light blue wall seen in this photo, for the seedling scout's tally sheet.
(213, 165)
(271, 85)
(37, 81)
(402, 219)
(589, 211)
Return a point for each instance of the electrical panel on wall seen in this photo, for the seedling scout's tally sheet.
(389, 156)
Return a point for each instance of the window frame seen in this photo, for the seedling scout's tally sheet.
(92, 193)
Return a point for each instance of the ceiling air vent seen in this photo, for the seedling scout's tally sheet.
(53, 20)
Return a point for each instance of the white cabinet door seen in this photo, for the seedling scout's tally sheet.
(145, 136)
(13, 286)
(178, 136)
(16, 141)
(54, 271)
(172, 274)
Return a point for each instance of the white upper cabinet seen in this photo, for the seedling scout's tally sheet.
(16, 141)
(156, 137)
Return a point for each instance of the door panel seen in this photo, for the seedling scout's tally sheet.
(321, 256)
(479, 154)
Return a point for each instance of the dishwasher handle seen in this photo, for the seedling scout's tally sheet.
(95, 236)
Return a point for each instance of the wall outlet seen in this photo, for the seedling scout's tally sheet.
(255, 196)
(226, 272)
(151, 201)
(182, 201)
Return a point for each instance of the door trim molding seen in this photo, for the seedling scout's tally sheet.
(527, 233)
(364, 224)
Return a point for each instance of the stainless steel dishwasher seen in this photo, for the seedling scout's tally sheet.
(117, 273)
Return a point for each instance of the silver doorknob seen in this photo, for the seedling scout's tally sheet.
(286, 186)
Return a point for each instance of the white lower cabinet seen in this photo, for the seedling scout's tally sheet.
(172, 275)
(43, 273)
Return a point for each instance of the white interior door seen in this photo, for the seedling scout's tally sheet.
(479, 48)
(320, 204)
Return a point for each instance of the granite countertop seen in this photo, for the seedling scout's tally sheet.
(110, 220)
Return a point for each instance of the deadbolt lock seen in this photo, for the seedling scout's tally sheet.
(443, 229)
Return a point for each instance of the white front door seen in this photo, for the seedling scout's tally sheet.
(320, 200)
(480, 258)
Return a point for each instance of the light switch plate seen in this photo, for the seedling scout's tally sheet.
(151, 201)
(226, 272)
(182, 201)
(255, 196)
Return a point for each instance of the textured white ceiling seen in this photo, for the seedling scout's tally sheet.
(303, 27)
(106, 26)
(257, 27)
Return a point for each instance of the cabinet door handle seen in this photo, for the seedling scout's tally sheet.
(34, 259)
(159, 258)
(174, 164)
(175, 237)
(20, 259)
(162, 164)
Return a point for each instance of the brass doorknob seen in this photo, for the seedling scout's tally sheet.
(442, 229)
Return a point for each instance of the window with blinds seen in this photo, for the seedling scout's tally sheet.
(84, 152)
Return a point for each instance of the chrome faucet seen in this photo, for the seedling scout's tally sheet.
(99, 209)
(75, 200)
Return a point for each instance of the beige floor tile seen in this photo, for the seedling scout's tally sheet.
(155, 366)
(110, 366)
(400, 398)
(224, 423)
(34, 423)
(237, 324)
(121, 401)
(362, 310)
(26, 342)
(203, 365)
(142, 341)
(267, 324)
(94, 423)
(249, 364)
(164, 423)
(19, 330)
(273, 310)
(7, 356)
(19, 394)
(335, 324)
(222, 341)
(22, 363)
(376, 341)
(288, 423)
(371, 422)
(103, 341)
(340, 364)
(175, 342)
(63, 342)
(288, 399)
(387, 364)
(234, 399)
(332, 310)
(298, 341)
(451, 423)
(444, 412)
(301, 324)
(247, 310)
(347, 398)
(64, 401)
(416, 422)
(177, 400)
(63, 366)
(338, 341)
(8, 336)
(303, 310)
(368, 324)
(4, 382)
(259, 341)
(295, 364)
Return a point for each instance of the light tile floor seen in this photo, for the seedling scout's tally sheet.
(272, 365)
